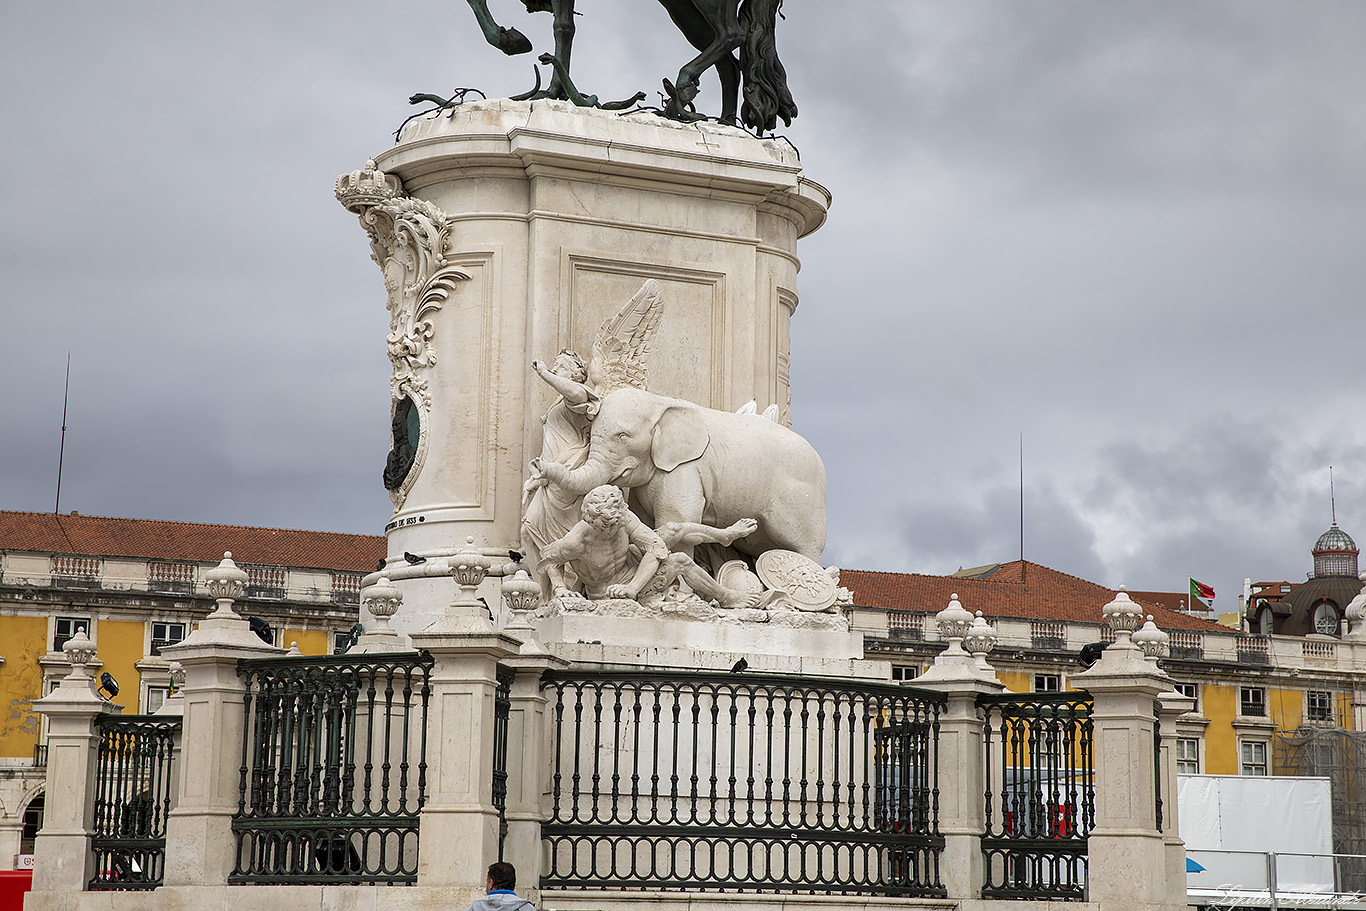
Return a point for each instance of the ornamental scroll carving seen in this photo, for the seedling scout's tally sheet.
(410, 242)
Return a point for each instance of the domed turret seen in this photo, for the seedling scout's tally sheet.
(1335, 554)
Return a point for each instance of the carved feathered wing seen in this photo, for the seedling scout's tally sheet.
(623, 341)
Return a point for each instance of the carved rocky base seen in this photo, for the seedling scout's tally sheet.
(779, 612)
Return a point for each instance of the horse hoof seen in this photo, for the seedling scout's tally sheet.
(512, 42)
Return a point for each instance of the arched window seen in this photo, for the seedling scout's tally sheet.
(1325, 619)
(33, 821)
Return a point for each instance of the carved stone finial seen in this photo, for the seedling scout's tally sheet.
(80, 651)
(367, 187)
(954, 622)
(1123, 616)
(980, 639)
(177, 675)
(468, 568)
(382, 600)
(1151, 641)
(226, 583)
(294, 651)
(521, 594)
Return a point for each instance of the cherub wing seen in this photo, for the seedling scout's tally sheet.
(623, 341)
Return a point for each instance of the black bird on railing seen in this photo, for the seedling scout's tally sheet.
(414, 559)
(380, 565)
(739, 666)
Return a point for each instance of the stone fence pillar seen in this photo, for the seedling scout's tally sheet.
(529, 760)
(62, 860)
(1172, 705)
(459, 827)
(200, 849)
(962, 677)
(1127, 862)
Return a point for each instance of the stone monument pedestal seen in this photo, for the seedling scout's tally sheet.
(508, 231)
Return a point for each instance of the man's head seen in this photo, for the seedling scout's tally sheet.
(603, 507)
(502, 876)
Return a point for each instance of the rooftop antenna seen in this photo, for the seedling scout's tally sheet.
(1022, 562)
(1332, 500)
(61, 450)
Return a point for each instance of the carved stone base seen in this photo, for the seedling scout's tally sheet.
(780, 613)
(690, 633)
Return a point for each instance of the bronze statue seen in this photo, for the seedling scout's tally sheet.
(717, 28)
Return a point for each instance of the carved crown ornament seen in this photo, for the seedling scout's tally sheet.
(410, 241)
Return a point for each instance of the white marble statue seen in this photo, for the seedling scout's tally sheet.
(614, 555)
(552, 511)
(1355, 612)
(686, 463)
(737, 483)
(619, 351)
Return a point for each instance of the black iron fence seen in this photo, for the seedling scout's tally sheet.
(502, 714)
(1040, 797)
(732, 781)
(334, 769)
(134, 791)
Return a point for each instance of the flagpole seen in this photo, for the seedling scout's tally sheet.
(61, 448)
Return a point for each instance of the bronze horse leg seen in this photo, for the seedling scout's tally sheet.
(721, 18)
(508, 40)
(697, 28)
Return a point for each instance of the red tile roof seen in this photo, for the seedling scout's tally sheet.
(157, 540)
(1017, 589)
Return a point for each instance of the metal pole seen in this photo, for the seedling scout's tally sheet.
(1271, 879)
(61, 450)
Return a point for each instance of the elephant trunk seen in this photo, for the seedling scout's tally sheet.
(590, 474)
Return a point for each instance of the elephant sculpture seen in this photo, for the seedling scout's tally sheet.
(687, 463)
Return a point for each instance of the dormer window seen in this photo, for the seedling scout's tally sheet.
(1325, 619)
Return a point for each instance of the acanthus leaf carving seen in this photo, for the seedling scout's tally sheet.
(410, 241)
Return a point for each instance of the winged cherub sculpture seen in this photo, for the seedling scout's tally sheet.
(620, 348)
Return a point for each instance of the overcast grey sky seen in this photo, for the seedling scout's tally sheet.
(1133, 232)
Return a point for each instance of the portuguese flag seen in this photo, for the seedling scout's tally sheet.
(1201, 592)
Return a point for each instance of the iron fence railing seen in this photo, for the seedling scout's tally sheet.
(133, 793)
(1040, 797)
(709, 781)
(502, 713)
(334, 769)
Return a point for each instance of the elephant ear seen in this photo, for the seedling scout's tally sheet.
(679, 436)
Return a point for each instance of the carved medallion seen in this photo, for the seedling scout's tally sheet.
(806, 583)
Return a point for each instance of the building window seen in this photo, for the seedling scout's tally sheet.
(164, 634)
(1252, 701)
(1187, 756)
(901, 672)
(1047, 683)
(66, 628)
(1190, 691)
(156, 698)
(33, 821)
(1325, 620)
(1254, 757)
(1319, 705)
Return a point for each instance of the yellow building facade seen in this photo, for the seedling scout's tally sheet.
(133, 587)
